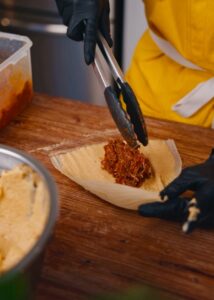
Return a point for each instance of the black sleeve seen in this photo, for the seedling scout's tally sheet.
(60, 4)
(65, 9)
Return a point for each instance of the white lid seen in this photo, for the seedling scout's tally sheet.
(19, 53)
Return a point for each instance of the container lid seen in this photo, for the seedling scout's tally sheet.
(12, 48)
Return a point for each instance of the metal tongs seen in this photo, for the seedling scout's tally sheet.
(131, 122)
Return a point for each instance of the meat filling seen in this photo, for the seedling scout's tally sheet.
(128, 166)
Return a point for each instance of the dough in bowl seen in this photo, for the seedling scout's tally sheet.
(23, 214)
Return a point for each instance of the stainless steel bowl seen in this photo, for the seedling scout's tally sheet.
(19, 282)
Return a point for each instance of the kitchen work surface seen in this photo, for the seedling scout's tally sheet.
(98, 248)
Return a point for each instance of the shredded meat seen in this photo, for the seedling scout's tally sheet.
(127, 165)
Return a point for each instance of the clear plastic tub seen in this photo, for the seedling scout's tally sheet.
(15, 75)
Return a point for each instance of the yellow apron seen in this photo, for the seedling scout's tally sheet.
(166, 87)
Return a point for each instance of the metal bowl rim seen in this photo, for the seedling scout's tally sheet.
(53, 213)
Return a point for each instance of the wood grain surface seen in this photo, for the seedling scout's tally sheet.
(98, 248)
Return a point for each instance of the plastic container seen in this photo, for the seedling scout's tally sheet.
(15, 75)
(19, 283)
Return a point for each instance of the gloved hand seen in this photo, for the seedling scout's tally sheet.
(84, 18)
(198, 210)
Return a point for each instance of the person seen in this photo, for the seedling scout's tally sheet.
(172, 75)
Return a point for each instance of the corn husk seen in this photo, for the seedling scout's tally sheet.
(83, 166)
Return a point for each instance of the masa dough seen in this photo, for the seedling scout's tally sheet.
(23, 214)
(83, 165)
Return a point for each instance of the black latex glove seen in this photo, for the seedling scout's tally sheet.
(198, 210)
(84, 18)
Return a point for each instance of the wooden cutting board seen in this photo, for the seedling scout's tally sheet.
(98, 248)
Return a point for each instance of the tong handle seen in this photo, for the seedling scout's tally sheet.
(119, 116)
(130, 124)
(110, 58)
(134, 112)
